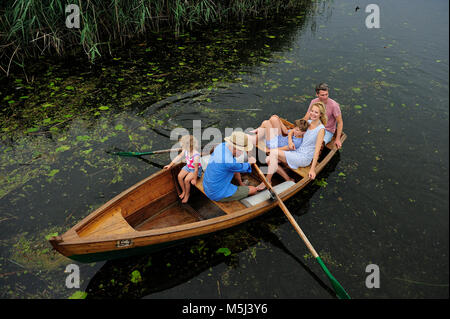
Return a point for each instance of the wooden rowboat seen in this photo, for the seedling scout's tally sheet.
(150, 216)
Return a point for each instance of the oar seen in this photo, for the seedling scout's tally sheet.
(340, 291)
(144, 153)
(153, 152)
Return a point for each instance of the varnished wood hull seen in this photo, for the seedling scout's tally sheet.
(149, 216)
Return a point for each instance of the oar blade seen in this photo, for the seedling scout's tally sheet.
(340, 291)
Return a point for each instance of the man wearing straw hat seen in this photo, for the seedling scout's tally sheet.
(223, 166)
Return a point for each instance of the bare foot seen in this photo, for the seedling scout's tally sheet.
(181, 195)
(185, 199)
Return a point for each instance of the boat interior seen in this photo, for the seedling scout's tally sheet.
(156, 204)
(169, 211)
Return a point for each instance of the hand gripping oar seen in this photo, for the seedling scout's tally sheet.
(144, 153)
(340, 291)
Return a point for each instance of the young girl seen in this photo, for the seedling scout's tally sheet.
(192, 170)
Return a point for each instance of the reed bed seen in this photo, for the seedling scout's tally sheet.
(29, 28)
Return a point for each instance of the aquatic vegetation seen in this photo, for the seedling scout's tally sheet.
(320, 182)
(36, 28)
(34, 252)
(58, 118)
(78, 295)
(225, 251)
(136, 277)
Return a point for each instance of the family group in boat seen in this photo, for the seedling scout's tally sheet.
(296, 147)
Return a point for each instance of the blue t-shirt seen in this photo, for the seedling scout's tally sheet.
(220, 171)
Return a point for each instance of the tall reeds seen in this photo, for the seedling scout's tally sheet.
(29, 28)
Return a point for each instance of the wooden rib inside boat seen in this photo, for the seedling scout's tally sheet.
(150, 215)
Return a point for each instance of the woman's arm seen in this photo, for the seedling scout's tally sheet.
(290, 141)
(319, 141)
(340, 125)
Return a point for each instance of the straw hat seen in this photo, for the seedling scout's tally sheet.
(240, 141)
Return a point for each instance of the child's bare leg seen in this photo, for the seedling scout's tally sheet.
(181, 177)
(187, 186)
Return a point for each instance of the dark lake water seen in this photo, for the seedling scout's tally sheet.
(383, 199)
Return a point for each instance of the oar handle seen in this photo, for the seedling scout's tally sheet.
(287, 213)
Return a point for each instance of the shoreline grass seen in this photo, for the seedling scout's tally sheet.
(30, 28)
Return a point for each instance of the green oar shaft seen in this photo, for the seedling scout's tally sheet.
(145, 153)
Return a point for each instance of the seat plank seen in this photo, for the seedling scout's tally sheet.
(227, 207)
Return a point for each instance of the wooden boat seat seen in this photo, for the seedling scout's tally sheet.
(265, 195)
(227, 207)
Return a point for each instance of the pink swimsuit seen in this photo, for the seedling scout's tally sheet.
(190, 160)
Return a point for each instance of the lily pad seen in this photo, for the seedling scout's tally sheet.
(224, 251)
(78, 295)
(62, 148)
(53, 172)
(136, 277)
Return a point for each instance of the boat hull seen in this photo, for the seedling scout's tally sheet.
(149, 217)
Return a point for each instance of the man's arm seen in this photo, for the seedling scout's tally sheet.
(340, 126)
(238, 167)
(306, 117)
